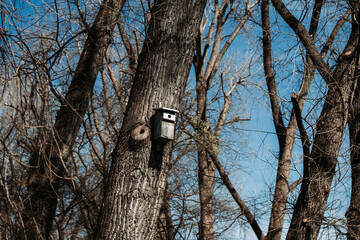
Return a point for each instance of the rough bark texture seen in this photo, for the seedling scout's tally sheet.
(315, 188)
(311, 203)
(206, 177)
(353, 212)
(165, 229)
(48, 161)
(137, 176)
(206, 171)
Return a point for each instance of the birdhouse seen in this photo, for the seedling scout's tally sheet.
(164, 124)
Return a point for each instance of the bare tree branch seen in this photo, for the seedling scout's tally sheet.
(245, 210)
(306, 39)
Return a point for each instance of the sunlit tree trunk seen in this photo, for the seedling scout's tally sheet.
(285, 135)
(136, 181)
(206, 63)
(315, 188)
(48, 162)
(206, 168)
(311, 203)
(206, 176)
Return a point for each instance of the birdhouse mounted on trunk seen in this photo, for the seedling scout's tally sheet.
(164, 124)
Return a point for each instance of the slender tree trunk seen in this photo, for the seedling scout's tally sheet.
(285, 141)
(47, 163)
(206, 168)
(137, 176)
(286, 136)
(206, 65)
(245, 210)
(311, 203)
(206, 177)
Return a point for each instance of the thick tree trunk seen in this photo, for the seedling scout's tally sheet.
(137, 177)
(311, 203)
(165, 227)
(353, 212)
(48, 161)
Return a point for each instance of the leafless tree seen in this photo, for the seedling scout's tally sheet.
(136, 181)
(77, 97)
(211, 49)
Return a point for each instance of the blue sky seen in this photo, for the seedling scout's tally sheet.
(254, 143)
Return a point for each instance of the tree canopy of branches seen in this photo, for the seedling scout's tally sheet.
(80, 82)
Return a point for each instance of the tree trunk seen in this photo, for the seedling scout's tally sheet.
(206, 168)
(47, 163)
(353, 212)
(165, 227)
(206, 65)
(136, 181)
(286, 136)
(206, 177)
(311, 203)
(285, 141)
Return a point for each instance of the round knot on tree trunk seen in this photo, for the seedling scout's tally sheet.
(140, 133)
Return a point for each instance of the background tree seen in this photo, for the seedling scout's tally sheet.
(319, 171)
(47, 162)
(47, 167)
(286, 135)
(209, 53)
(352, 212)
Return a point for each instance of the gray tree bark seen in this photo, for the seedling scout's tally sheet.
(285, 135)
(311, 203)
(135, 185)
(207, 63)
(165, 228)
